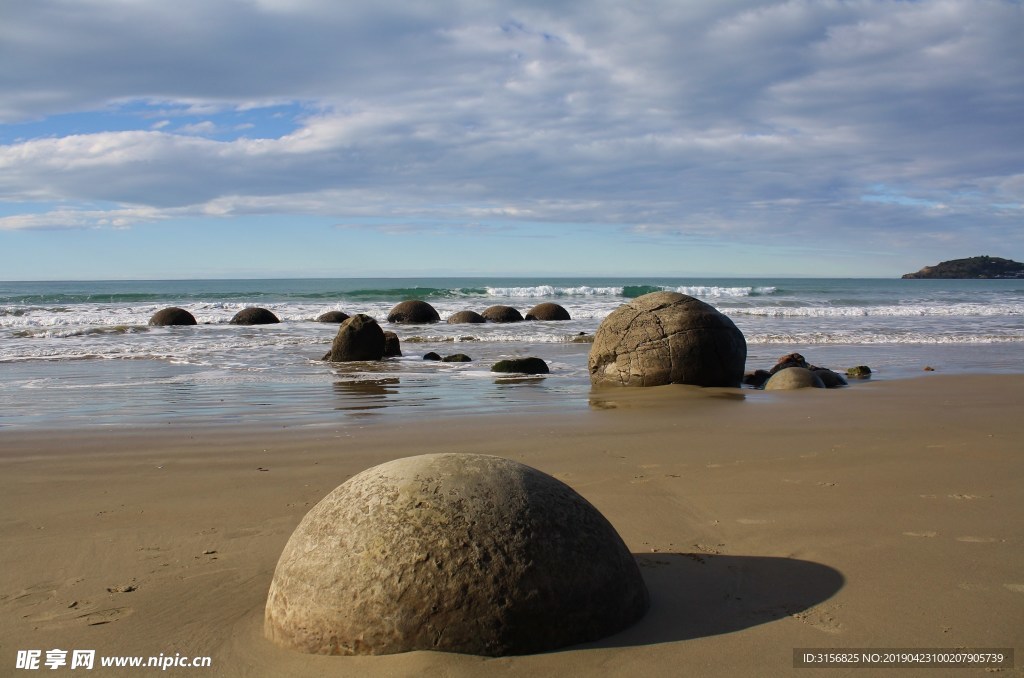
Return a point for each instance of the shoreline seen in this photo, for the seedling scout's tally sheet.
(882, 515)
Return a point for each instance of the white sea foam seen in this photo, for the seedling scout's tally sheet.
(552, 291)
(699, 291)
(890, 311)
(715, 292)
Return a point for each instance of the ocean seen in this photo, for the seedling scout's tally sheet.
(81, 354)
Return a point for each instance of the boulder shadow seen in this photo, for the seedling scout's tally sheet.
(694, 595)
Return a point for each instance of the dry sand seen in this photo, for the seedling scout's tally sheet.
(887, 514)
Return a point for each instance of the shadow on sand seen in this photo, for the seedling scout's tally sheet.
(694, 595)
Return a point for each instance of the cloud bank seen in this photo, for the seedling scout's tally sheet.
(837, 122)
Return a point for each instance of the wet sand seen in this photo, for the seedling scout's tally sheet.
(883, 515)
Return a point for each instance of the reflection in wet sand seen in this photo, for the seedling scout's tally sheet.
(365, 394)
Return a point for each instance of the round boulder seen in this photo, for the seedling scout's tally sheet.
(502, 314)
(521, 366)
(336, 317)
(792, 378)
(358, 338)
(457, 358)
(667, 338)
(459, 553)
(547, 311)
(413, 312)
(859, 372)
(172, 316)
(461, 317)
(254, 315)
(432, 356)
(392, 345)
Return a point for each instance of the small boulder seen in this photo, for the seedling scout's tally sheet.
(358, 338)
(432, 356)
(462, 553)
(254, 315)
(172, 316)
(829, 378)
(859, 372)
(457, 358)
(502, 314)
(392, 345)
(792, 378)
(461, 317)
(521, 366)
(547, 311)
(667, 338)
(413, 312)
(336, 317)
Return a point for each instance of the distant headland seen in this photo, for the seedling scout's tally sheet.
(972, 267)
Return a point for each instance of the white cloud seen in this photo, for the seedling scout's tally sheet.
(739, 119)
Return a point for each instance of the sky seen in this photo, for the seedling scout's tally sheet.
(143, 139)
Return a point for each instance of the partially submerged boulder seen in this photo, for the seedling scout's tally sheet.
(457, 358)
(759, 378)
(667, 338)
(172, 315)
(358, 338)
(521, 366)
(254, 315)
(413, 312)
(792, 378)
(455, 553)
(502, 314)
(859, 372)
(547, 311)
(392, 345)
(829, 378)
(461, 317)
(432, 356)
(336, 317)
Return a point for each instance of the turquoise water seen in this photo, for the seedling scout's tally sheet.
(82, 353)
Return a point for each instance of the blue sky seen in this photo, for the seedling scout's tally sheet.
(270, 138)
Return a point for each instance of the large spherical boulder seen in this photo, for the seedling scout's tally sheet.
(667, 338)
(547, 311)
(792, 378)
(413, 312)
(254, 315)
(336, 317)
(452, 552)
(172, 316)
(358, 338)
(460, 317)
(502, 314)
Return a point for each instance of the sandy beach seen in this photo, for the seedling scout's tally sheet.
(883, 515)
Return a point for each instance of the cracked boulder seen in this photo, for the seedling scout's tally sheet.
(459, 553)
(667, 338)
